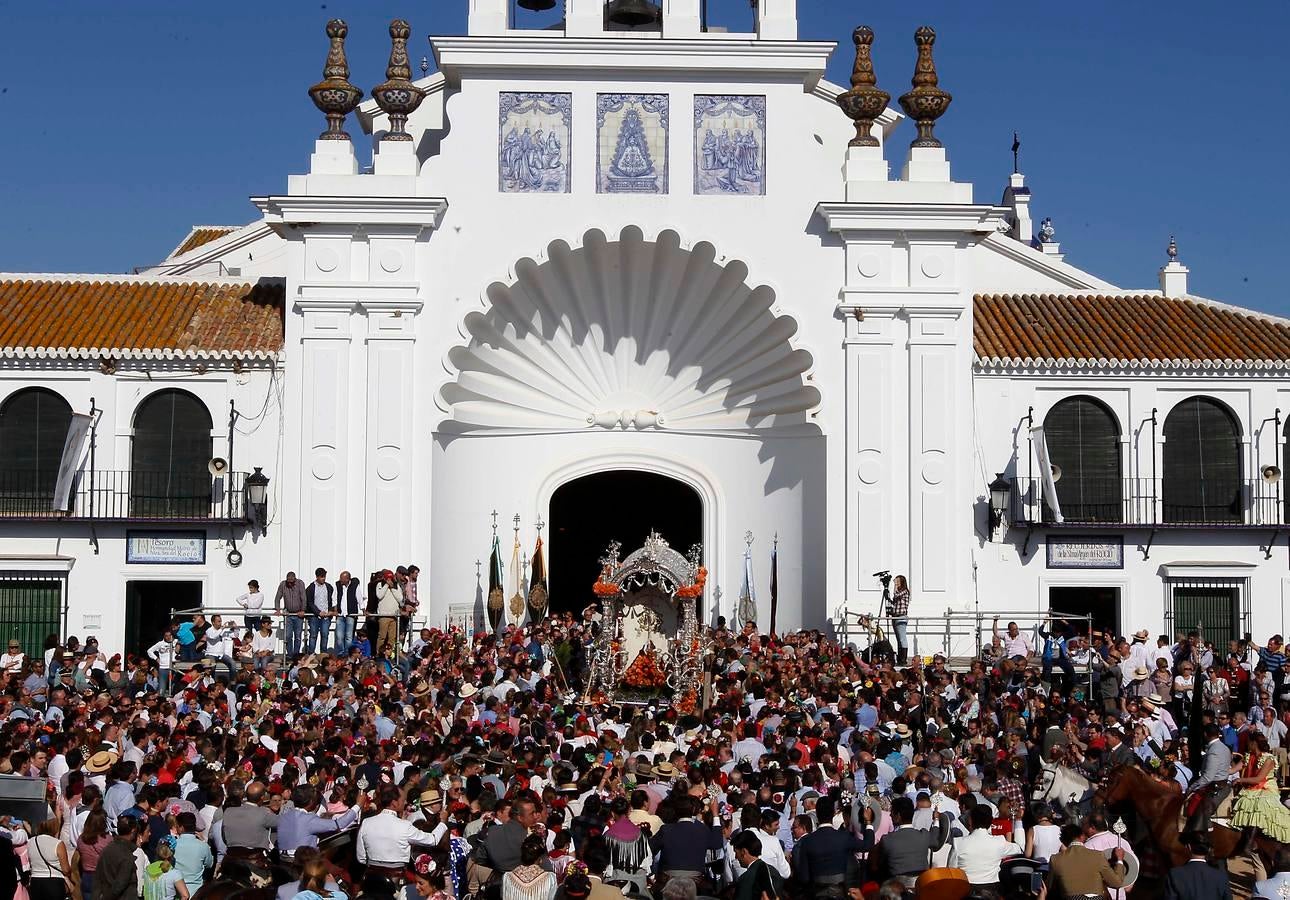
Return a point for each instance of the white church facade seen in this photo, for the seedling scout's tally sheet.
(602, 279)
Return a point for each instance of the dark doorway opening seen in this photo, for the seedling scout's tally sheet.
(150, 608)
(589, 512)
(1100, 602)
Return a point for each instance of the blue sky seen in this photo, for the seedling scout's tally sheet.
(127, 122)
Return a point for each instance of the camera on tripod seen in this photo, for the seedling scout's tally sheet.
(884, 576)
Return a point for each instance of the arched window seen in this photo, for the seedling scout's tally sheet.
(33, 429)
(1202, 464)
(1084, 442)
(168, 457)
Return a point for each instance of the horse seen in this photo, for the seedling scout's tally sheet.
(1160, 808)
(1062, 787)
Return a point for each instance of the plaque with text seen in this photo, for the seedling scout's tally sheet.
(1085, 552)
(176, 548)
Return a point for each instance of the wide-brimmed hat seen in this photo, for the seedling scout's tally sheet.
(1140, 673)
(420, 689)
(467, 691)
(902, 730)
(1142, 634)
(496, 757)
(665, 770)
(1156, 699)
(100, 762)
(430, 796)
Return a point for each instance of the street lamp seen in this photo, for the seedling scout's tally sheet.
(257, 500)
(1000, 491)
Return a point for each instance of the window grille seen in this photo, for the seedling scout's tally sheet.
(1218, 608)
(33, 606)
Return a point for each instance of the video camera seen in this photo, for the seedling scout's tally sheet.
(884, 576)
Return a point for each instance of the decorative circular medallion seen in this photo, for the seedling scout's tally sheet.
(869, 265)
(392, 260)
(324, 468)
(326, 260)
(870, 469)
(933, 267)
(934, 470)
(388, 468)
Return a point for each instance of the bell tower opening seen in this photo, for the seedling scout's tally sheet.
(619, 505)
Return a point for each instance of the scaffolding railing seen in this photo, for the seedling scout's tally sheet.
(238, 615)
(962, 636)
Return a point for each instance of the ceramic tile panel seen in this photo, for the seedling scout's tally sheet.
(729, 144)
(632, 143)
(533, 142)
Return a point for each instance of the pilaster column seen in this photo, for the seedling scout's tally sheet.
(387, 437)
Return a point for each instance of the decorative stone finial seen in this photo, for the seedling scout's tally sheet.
(864, 102)
(397, 96)
(334, 96)
(1173, 249)
(926, 102)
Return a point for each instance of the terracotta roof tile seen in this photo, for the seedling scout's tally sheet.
(124, 314)
(202, 234)
(1136, 330)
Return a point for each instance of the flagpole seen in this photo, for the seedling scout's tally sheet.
(774, 583)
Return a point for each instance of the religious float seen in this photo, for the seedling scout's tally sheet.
(651, 646)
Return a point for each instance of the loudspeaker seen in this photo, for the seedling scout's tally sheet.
(1271, 474)
(23, 798)
(217, 466)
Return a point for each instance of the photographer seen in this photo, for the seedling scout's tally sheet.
(898, 610)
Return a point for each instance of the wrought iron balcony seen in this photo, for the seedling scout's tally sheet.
(1141, 502)
(122, 495)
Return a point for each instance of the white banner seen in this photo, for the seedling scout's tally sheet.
(1046, 472)
(74, 450)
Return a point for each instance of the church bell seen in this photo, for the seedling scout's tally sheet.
(536, 5)
(631, 13)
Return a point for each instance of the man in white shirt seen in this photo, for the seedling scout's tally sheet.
(385, 840)
(772, 851)
(163, 654)
(1015, 644)
(980, 853)
(219, 644)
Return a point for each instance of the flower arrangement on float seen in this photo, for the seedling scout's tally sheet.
(645, 670)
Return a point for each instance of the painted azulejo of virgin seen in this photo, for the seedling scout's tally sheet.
(729, 144)
(533, 142)
(631, 135)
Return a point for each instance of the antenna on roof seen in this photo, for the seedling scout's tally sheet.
(1016, 153)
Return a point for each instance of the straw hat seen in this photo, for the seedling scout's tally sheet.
(467, 691)
(1140, 673)
(664, 770)
(101, 761)
(430, 796)
(902, 730)
(1142, 634)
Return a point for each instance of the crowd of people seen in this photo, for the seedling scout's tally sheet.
(473, 765)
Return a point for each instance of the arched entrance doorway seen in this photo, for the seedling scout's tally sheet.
(619, 505)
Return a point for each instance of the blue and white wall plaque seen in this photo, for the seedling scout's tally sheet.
(632, 143)
(533, 142)
(729, 144)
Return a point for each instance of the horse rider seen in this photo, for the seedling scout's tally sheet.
(1118, 753)
(1214, 771)
(385, 840)
(248, 825)
(301, 826)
